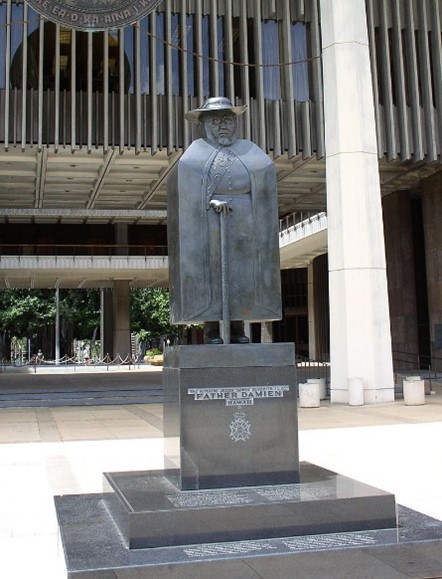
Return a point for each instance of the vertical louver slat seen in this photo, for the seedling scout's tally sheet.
(138, 116)
(300, 9)
(244, 57)
(386, 83)
(229, 54)
(401, 94)
(199, 64)
(184, 74)
(57, 89)
(73, 90)
(259, 78)
(105, 92)
(40, 85)
(426, 83)
(7, 72)
(277, 147)
(437, 61)
(24, 78)
(375, 77)
(290, 124)
(169, 79)
(306, 130)
(316, 72)
(214, 71)
(153, 82)
(89, 90)
(121, 88)
(418, 150)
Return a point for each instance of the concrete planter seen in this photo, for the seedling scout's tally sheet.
(309, 394)
(414, 391)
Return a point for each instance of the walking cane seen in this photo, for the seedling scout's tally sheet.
(222, 208)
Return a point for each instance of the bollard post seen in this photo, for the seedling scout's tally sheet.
(414, 391)
(309, 394)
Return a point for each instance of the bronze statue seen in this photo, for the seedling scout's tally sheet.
(223, 229)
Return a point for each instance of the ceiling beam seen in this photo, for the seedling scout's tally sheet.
(105, 168)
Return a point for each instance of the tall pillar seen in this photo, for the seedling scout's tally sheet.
(106, 323)
(322, 307)
(360, 341)
(121, 238)
(57, 326)
(121, 318)
(398, 228)
(311, 313)
(432, 215)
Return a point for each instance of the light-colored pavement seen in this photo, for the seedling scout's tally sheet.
(50, 451)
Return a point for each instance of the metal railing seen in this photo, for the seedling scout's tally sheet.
(427, 366)
(66, 249)
(299, 225)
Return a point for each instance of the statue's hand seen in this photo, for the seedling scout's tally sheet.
(220, 206)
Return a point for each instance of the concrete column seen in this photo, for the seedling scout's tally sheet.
(106, 323)
(57, 326)
(121, 318)
(432, 215)
(398, 230)
(121, 238)
(359, 317)
(311, 313)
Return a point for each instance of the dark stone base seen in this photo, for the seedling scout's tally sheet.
(326, 521)
(94, 549)
(230, 415)
(151, 512)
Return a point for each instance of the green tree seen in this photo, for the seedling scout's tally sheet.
(150, 313)
(80, 311)
(24, 312)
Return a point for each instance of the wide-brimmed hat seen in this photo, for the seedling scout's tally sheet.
(214, 104)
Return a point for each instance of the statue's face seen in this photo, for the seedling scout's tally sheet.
(220, 127)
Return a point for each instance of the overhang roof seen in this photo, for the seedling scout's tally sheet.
(49, 186)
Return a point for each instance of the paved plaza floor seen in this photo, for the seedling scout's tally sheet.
(55, 451)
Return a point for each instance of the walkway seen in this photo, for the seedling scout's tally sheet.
(45, 452)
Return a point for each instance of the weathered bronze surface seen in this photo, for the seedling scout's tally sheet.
(89, 15)
(223, 227)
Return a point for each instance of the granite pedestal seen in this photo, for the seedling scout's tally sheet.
(151, 512)
(230, 415)
(232, 475)
(95, 548)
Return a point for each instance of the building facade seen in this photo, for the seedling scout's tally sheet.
(344, 95)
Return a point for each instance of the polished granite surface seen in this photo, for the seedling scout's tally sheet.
(94, 548)
(230, 415)
(151, 512)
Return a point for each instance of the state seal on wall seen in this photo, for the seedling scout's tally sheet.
(91, 15)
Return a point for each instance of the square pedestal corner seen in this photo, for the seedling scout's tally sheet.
(229, 426)
(150, 511)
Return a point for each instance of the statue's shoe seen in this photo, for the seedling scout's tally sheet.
(239, 339)
(214, 340)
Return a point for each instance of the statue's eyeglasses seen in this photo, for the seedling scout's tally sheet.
(227, 120)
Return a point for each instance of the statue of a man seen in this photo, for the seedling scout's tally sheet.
(222, 177)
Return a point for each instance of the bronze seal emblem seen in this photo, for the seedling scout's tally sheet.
(90, 15)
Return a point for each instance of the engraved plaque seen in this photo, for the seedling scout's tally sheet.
(90, 15)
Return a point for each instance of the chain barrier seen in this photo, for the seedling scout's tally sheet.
(107, 360)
